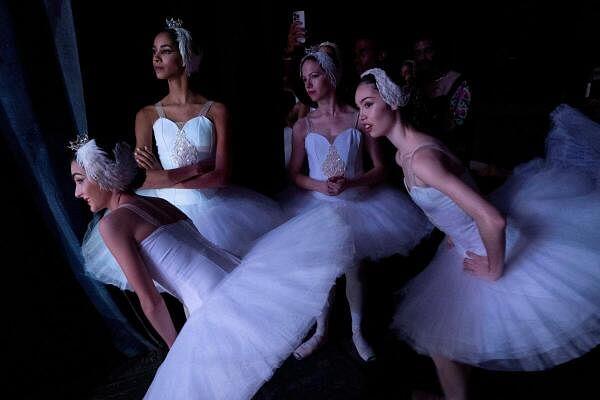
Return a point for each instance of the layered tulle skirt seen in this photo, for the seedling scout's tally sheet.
(545, 309)
(260, 312)
(384, 221)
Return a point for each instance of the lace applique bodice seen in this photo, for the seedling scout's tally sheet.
(333, 164)
(341, 157)
(184, 143)
(184, 152)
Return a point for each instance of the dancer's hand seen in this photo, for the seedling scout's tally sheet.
(479, 266)
(336, 185)
(146, 159)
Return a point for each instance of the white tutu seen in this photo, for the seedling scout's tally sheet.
(384, 221)
(232, 218)
(574, 141)
(259, 313)
(545, 309)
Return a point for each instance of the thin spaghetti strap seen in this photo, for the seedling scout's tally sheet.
(160, 110)
(157, 210)
(141, 213)
(206, 108)
(408, 158)
(308, 123)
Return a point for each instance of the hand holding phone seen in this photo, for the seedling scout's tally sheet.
(299, 18)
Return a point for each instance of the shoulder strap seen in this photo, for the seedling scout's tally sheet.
(141, 213)
(160, 110)
(308, 123)
(206, 108)
(407, 159)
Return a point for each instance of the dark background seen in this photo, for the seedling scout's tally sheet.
(524, 58)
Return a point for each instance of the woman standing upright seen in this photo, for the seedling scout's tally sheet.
(383, 220)
(192, 168)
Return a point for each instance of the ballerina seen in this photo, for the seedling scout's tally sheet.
(519, 291)
(384, 221)
(192, 169)
(246, 316)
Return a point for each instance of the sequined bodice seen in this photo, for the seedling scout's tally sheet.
(182, 144)
(342, 157)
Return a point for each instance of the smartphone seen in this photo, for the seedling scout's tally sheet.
(300, 18)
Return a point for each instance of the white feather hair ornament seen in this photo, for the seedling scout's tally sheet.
(109, 174)
(391, 93)
(326, 63)
(184, 41)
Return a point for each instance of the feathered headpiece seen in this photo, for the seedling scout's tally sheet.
(326, 63)
(110, 174)
(184, 41)
(391, 93)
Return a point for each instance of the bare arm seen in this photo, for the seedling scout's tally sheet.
(429, 168)
(376, 174)
(297, 160)
(219, 175)
(156, 176)
(121, 243)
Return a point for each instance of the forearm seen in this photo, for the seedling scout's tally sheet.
(493, 237)
(158, 315)
(307, 183)
(370, 178)
(212, 179)
(167, 178)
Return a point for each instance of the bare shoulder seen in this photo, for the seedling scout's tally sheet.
(218, 110)
(147, 111)
(117, 224)
(300, 127)
(146, 115)
(428, 163)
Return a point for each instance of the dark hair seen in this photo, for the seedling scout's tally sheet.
(196, 56)
(172, 35)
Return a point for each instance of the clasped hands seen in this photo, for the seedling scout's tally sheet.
(335, 185)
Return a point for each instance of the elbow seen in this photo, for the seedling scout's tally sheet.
(497, 221)
(293, 176)
(222, 179)
(380, 175)
(150, 305)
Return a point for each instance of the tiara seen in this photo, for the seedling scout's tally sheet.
(174, 23)
(80, 141)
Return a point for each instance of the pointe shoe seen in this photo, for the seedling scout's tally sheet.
(310, 346)
(365, 351)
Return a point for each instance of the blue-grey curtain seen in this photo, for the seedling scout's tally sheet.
(27, 140)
